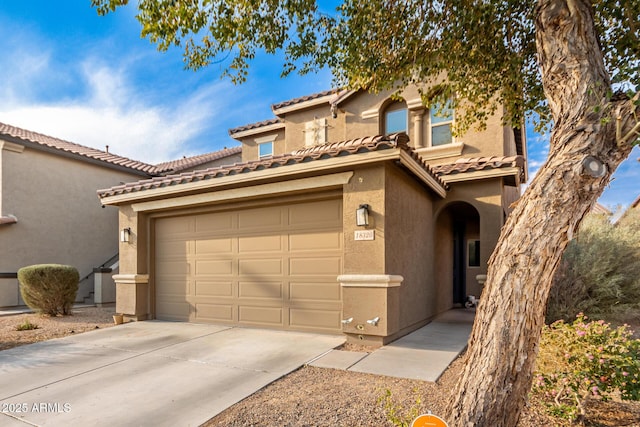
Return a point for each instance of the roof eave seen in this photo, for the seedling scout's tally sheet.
(253, 177)
(410, 163)
(483, 174)
(74, 156)
(302, 105)
(257, 131)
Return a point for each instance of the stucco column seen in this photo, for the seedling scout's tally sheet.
(132, 295)
(370, 307)
(418, 138)
(132, 284)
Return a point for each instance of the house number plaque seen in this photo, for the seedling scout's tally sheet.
(364, 235)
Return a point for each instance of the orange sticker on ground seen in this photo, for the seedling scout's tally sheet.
(428, 420)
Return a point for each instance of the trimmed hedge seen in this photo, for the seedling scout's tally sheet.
(49, 288)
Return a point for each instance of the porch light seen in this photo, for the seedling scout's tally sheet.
(594, 167)
(125, 235)
(362, 215)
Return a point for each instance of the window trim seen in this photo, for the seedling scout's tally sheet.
(440, 124)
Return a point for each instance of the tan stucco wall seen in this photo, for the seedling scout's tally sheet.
(494, 140)
(60, 218)
(409, 246)
(250, 146)
(365, 187)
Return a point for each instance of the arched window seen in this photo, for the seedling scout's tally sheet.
(396, 118)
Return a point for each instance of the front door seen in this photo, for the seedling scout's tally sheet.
(459, 265)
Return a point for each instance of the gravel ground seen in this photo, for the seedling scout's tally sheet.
(83, 319)
(317, 397)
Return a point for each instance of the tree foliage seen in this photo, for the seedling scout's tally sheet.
(600, 271)
(486, 48)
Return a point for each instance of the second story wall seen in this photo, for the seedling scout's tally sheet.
(341, 116)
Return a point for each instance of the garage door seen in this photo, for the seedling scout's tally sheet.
(274, 266)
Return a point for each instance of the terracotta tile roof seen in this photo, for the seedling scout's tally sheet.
(480, 163)
(257, 125)
(191, 162)
(304, 99)
(18, 135)
(316, 153)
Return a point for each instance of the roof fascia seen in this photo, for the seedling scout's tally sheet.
(73, 156)
(340, 98)
(258, 130)
(410, 163)
(253, 176)
(302, 105)
(272, 189)
(483, 174)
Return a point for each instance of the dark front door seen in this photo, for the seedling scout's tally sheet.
(459, 265)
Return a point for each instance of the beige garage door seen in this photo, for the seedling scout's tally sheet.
(271, 267)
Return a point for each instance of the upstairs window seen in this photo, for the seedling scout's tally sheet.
(396, 119)
(265, 149)
(441, 122)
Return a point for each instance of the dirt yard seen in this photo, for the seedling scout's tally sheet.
(315, 396)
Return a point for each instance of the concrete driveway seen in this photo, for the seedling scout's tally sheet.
(147, 373)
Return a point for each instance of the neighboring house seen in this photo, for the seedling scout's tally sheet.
(324, 226)
(48, 207)
(634, 208)
(599, 209)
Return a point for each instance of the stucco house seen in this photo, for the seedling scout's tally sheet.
(48, 207)
(351, 213)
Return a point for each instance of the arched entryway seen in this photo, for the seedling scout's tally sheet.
(457, 252)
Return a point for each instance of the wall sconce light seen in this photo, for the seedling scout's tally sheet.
(125, 235)
(362, 215)
(594, 167)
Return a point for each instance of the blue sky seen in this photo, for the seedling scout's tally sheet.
(66, 72)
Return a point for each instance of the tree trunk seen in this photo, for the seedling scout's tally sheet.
(504, 342)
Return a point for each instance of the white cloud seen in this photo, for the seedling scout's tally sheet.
(112, 112)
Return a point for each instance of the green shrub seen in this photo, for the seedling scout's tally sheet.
(582, 360)
(600, 272)
(397, 414)
(49, 288)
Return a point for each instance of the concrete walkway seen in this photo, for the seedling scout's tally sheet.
(422, 355)
(146, 373)
(168, 373)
